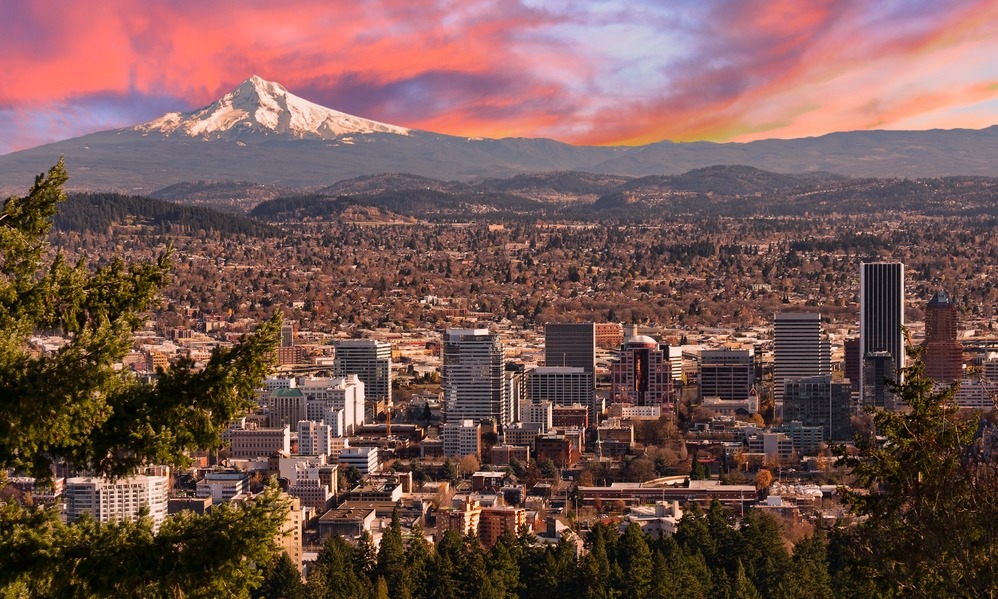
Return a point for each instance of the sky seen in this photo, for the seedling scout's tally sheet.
(583, 72)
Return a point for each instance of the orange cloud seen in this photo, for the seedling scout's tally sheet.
(735, 70)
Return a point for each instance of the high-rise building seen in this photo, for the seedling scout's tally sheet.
(121, 499)
(820, 401)
(878, 369)
(850, 347)
(570, 344)
(800, 349)
(474, 385)
(371, 361)
(562, 386)
(727, 373)
(643, 374)
(327, 396)
(881, 316)
(943, 355)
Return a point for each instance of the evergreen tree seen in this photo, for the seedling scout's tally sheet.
(808, 576)
(593, 579)
(929, 498)
(445, 567)
(742, 587)
(73, 406)
(765, 557)
(391, 559)
(365, 558)
(635, 560)
(333, 575)
(281, 580)
(417, 558)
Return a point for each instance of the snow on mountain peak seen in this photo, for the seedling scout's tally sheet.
(264, 106)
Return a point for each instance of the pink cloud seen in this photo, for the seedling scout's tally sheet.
(740, 70)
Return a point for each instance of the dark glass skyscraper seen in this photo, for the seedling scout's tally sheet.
(881, 314)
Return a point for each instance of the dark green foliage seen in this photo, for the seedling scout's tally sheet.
(194, 556)
(281, 580)
(73, 406)
(391, 560)
(335, 573)
(931, 527)
(98, 211)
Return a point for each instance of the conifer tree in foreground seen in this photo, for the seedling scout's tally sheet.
(73, 406)
(929, 498)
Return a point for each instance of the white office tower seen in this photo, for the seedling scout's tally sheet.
(800, 349)
(371, 361)
(540, 413)
(881, 316)
(342, 393)
(314, 438)
(461, 437)
(473, 380)
(112, 501)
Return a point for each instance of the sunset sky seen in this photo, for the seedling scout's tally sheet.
(584, 72)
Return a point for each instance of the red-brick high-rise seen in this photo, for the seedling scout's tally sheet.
(943, 352)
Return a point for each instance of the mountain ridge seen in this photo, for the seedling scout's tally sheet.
(262, 134)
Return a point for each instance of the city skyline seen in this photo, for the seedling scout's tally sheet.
(599, 73)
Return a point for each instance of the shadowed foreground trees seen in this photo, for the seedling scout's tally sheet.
(929, 498)
(74, 406)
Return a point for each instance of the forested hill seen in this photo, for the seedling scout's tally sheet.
(97, 211)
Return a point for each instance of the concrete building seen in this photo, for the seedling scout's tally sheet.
(364, 459)
(494, 522)
(371, 362)
(119, 500)
(772, 444)
(881, 319)
(943, 357)
(539, 413)
(463, 519)
(285, 406)
(461, 437)
(328, 395)
(314, 438)
(643, 375)
(221, 486)
(800, 349)
(562, 386)
(807, 440)
(727, 373)
(473, 376)
(515, 379)
(820, 401)
(253, 442)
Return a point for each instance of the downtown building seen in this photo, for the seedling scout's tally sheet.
(820, 402)
(881, 335)
(800, 350)
(109, 500)
(643, 374)
(474, 382)
(943, 353)
(728, 374)
(371, 362)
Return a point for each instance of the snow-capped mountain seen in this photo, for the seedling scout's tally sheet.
(262, 106)
(262, 134)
